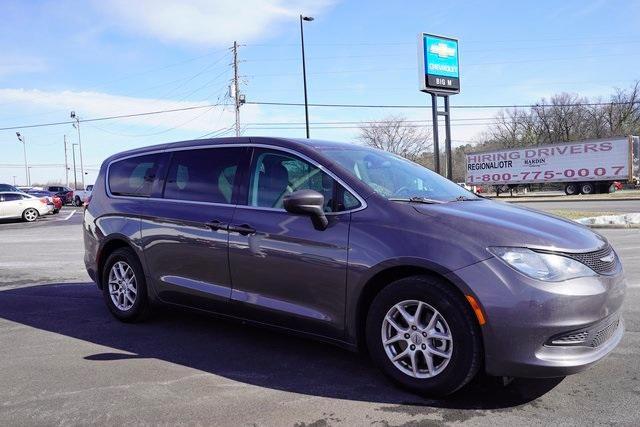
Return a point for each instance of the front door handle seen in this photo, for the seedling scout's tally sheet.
(244, 229)
(216, 225)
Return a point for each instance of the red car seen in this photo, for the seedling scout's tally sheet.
(57, 201)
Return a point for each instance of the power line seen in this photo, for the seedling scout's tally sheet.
(587, 104)
(295, 104)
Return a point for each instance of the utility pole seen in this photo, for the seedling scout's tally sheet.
(23, 140)
(75, 178)
(236, 90)
(14, 180)
(66, 165)
(77, 126)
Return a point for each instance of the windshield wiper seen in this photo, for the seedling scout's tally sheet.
(417, 200)
(466, 199)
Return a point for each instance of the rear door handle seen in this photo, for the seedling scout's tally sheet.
(244, 229)
(216, 225)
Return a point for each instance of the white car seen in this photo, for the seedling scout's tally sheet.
(21, 205)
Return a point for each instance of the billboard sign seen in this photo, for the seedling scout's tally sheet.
(597, 160)
(438, 64)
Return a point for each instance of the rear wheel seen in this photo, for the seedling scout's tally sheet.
(587, 188)
(77, 201)
(30, 214)
(124, 287)
(421, 333)
(571, 189)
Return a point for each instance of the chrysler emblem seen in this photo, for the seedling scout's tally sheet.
(608, 258)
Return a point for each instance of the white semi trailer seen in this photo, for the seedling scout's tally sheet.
(585, 167)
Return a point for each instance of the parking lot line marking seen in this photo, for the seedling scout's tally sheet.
(68, 216)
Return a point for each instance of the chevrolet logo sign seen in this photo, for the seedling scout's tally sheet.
(442, 50)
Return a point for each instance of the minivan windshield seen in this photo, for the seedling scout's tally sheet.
(396, 178)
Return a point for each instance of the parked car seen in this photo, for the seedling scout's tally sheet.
(15, 204)
(357, 247)
(8, 187)
(65, 193)
(55, 200)
(80, 197)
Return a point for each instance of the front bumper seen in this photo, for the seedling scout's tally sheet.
(544, 329)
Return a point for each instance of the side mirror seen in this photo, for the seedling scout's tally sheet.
(307, 202)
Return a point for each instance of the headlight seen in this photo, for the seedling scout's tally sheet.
(542, 266)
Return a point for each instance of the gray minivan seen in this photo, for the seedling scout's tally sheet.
(357, 247)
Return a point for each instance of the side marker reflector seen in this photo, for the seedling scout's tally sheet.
(476, 309)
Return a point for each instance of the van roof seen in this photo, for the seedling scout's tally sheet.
(294, 143)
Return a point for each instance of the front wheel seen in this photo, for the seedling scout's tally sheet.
(30, 214)
(422, 334)
(124, 287)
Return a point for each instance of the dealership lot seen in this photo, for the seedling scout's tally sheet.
(65, 360)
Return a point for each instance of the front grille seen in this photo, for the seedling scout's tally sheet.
(603, 335)
(594, 260)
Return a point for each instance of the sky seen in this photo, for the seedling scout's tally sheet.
(118, 57)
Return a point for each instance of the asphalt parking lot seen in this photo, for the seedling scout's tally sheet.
(65, 360)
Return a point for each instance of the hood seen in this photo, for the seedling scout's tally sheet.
(502, 224)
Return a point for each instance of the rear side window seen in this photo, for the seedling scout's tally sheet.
(203, 175)
(133, 176)
(12, 197)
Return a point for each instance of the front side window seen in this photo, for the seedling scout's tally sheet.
(394, 177)
(133, 176)
(275, 174)
(203, 175)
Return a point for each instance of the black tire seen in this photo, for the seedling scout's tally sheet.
(571, 189)
(30, 214)
(466, 354)
(77, 202)
(141, 307)
(587, 188)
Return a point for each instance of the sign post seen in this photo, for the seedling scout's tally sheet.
(439, 74)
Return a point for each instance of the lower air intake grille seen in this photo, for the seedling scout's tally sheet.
(603, 335)
(575, 338)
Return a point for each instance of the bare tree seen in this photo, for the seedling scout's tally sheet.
(397, 135)
(566, 117)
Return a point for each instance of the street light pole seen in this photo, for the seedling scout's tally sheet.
(75, 178)
(23, 140)
(77, 126)
(304, 72)
(66, 165)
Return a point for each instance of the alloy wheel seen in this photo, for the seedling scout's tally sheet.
(417, 339)
(31, 215)
(122, 286)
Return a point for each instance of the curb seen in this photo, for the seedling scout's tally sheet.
(614, 226)
(568, 199)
